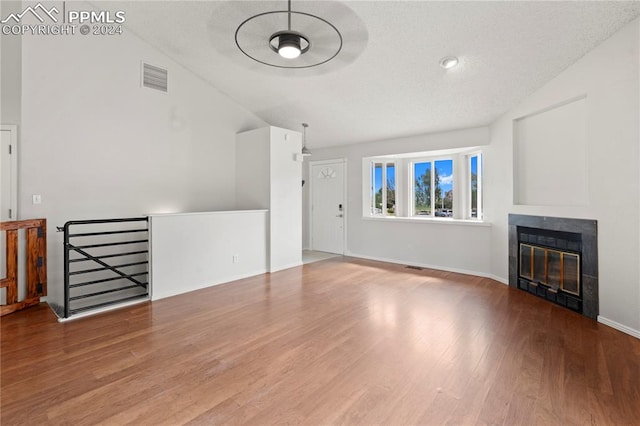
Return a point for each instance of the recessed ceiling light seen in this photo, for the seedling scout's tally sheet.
(449, 62)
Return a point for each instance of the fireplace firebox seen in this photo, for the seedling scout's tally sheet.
(549, 265)
(556, 259)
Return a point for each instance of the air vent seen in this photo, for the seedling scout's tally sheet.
(154, 77)
(417, 268)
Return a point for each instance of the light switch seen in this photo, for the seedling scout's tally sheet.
(37, 199)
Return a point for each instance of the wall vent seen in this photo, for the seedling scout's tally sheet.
(417, 268)
(154, 77)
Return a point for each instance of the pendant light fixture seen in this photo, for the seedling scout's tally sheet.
(305, 150)
(289, 44)
(290, 37)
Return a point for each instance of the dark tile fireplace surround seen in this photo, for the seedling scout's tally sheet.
(555, 259)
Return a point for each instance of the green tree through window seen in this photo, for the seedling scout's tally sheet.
(433, 180)
(427, 185)
(384, 189)
(422, 190)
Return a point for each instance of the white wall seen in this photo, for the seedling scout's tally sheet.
(550, 156)
(268, 176)
(286, 199)
(10, 69)
(450, 246)
(253, 157)
(97, 145)
(609, 77)
(194, 251)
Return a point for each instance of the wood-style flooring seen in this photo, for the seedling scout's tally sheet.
(342, 341)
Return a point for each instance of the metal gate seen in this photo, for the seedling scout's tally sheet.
(106, 262)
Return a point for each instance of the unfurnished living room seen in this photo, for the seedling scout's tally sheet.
(382, 212)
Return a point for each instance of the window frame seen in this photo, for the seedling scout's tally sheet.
(479, 189)
(412, 187)
(385, 163)
(404, 169)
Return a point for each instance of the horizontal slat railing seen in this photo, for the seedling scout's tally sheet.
(111, 281)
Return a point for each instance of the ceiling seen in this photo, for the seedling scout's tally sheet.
(388, 82)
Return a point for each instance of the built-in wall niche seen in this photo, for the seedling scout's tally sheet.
(551, 156)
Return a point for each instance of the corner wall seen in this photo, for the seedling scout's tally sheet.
(609, 77)
(95, 144)
(447, 246)
(10, 70)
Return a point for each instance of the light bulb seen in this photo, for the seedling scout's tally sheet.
(289, 51)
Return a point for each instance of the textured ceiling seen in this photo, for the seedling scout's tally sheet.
(394, 85)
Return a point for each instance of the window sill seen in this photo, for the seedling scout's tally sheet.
(432, 220)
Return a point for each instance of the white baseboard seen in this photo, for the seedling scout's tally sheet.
(620, 327)
(103, 310)
(424, 265)
(501, 280)
(200, 286)
(287, 266)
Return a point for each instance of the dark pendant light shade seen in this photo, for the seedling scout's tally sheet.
(289, 44)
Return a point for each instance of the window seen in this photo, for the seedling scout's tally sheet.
(433, 191)
(383, 190)
(447, 184)
(422, 198)
(475, 186)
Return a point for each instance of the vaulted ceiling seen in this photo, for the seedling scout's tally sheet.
(387, 81)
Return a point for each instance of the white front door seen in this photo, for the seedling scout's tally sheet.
(327, 206)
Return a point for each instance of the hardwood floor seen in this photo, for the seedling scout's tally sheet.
(342, 341)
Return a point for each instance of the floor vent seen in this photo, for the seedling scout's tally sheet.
(417, 268)
(154, 77)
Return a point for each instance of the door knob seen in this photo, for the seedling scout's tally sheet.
(338, 215)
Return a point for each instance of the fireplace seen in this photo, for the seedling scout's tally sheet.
(549, 265)
(555, 259)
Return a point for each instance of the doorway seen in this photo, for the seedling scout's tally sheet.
(8, 195)
(328, 206)
(8, 172)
